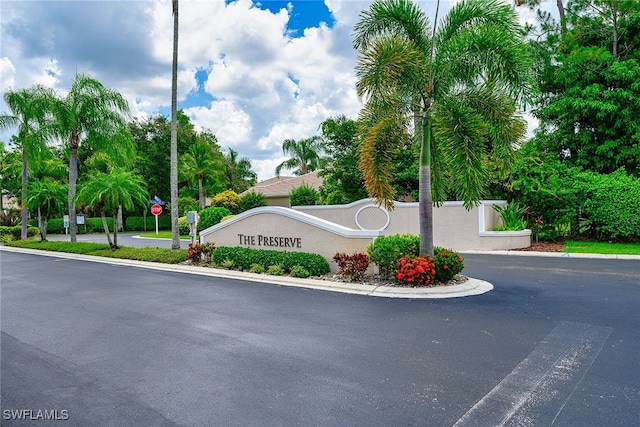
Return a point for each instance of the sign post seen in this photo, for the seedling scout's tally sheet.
(156, 210)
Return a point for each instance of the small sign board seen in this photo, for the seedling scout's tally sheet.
(80, 219)
(156, 209)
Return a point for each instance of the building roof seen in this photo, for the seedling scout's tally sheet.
(281, 186)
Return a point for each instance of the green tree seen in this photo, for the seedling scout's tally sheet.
(203, 162)
(238, 171)
(460, 82)
(49, 198)
(306, 155)
(108, 191)
(29, 108)
(91, 113)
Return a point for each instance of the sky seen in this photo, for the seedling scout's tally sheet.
(254, 73)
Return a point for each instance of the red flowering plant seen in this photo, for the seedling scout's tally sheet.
(352, 266)
(416, 271)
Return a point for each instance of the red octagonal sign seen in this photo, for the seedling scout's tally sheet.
(156, 209)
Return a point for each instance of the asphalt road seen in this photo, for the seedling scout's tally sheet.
(124, 239)
(555, 343)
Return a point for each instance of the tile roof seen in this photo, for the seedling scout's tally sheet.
(282, 186)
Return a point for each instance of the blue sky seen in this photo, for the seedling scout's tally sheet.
(253, 73)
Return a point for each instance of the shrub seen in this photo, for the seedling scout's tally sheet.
(256, 268)
(416, 271)
(448, 263)
(352, 266)
(137, 223)
(512, 217)
(227, 199)
(186, 204)
(299, 271)
(251, 200)
(245, 257)
(228, 264)
(211, 216)
(16, 231)
(386, 251)
(276, 270)
(303, 196)
(194, 254)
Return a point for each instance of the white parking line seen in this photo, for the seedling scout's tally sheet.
(538, 389)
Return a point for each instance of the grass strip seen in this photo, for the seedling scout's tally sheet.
(162, 235)
(163, 255)
(588, 247)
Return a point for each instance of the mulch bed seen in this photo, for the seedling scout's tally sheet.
(544, 247)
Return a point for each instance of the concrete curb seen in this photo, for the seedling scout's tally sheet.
(470, 287)
(555, 254)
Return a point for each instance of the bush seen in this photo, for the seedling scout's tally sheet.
(303, 196)
(194, 253)
(256, 268)
(416, 271)
(186, 204)
(512, 217)
(251, 200)
(211, 216)
(227, 199)
(245, 257)
(352, 266)
(16, 231)
(137, 223)
(386, 251)
(299, 271)
(448, 263)
(276, 270)
(183, 227)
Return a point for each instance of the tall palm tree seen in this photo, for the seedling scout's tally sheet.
(175, 232)
(238, 171)
(94, 113)
(49, 198)
(29, 109)
(201, 162)
(108, 191)
(460, 82)
(306, 155)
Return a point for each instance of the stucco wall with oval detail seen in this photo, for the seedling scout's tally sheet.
(279, 228)
(454, 226)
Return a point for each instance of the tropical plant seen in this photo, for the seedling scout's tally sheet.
(306, 155)
(108, 191)
(48, 197)
(460, 82)
(512, 215)
(238, 171)
(352, 266)
(227, 199)
(416, 271)
(251, 200)
(29, 113)
(201, 162)
(91, 113)
(304, 195)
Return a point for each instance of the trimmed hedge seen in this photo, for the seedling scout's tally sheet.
(16, 231)
(93, 225)
(244, 258)
(137, 223)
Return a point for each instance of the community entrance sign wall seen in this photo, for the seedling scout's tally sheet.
(284, 229)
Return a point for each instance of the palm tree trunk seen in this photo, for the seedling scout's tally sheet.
(24, 212)
(106, 227)
(201, 194)
(175, 234)
(115, 230)
(73, 179)
(42, 234)
(425, 202)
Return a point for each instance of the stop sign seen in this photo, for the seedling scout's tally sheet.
(156, 209)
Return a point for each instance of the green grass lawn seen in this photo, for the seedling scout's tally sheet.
(163, 234)
(585, 247)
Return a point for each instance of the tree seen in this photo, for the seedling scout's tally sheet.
(238, 171)
(175, 232)
(94, 114)
(202, 162)
(460, 83)
(108, 191)
(306, 155)
(29, 109)
(49, 198)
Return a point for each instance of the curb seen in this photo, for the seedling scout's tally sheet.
(554, 254)
(470, 287)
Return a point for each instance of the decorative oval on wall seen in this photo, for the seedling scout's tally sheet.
(372, 217)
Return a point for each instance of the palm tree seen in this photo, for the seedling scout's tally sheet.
(460, 82)
(49, 198)
(29, 109)
(238, 171)
(175, 232)
(306, 155)
(201, 162)
(90, 113)
(108, 191)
